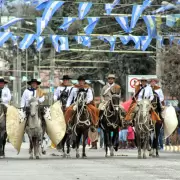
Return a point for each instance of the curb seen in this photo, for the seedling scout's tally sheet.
(172, 148)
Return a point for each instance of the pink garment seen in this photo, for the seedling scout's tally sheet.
(130, 135)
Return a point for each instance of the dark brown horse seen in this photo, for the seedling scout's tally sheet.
(110, 122)
(3, 134)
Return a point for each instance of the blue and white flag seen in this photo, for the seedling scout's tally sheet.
(84, 8)
(136, 13)
(42, 5)
(178, 2)
(170, 20)
(171, 39)
(1, 3)
(137, 41)
(14, 39)
(67, 21)
(27, 41)
(164, 8)
(4, 36)
(50, 9)
(84, 40)
(63, 45)
(123, 22)
(10, 23)
(161, 40)
(109, 39)
(151, 25)
(40, 26)
(178, 42)
(145, 42)
(39, 42)
(92, 24)
(110, 6)
(125, 39)
(146, 4)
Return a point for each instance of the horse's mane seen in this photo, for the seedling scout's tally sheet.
(33, 99)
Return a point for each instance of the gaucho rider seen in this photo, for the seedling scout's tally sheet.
(32, 91)
(142, 90)
(63, 91)
(106, 94)
(5, 94)
(93, 111)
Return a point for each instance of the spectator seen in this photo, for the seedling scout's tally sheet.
(123, 137)
(130, 136)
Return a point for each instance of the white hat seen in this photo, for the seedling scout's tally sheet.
(111, 76)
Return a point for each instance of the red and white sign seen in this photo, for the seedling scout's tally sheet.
(134, 80)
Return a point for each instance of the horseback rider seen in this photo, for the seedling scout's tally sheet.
(106, 94)
(93, 111)
(5, 94)
(32, 91)
(64, 89)
(142, 91)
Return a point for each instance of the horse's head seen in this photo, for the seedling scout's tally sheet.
(33, 106)
(115, 100)
(3, 110)
(81, 97)
(144, 108)
(63, 97)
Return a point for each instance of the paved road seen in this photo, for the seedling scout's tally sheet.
(124, 166)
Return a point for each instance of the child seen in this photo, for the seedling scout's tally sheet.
(130, 136)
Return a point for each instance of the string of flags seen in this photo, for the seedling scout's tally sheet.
(61, 42)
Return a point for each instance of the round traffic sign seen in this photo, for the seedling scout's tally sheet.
(133, 82)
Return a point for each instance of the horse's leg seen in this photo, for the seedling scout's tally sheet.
(105, 143)
(31, 148)
(85, 136)
(150, 145)
(4, 143)
(1, 146)
(139, 145)
(68, 142)
(112, 144)
(63, 144)
(145, 146)
(78, 138)
(157, 132)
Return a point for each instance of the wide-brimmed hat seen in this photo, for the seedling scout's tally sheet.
(154, 79)
(143, 79)
(2, 80)
(34, 80)
(81, 78)
(111, 76)
(66, 77)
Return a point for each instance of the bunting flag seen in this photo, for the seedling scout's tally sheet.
(51, 8)
(164, 8)
(109, 39)
(171, 39)
(151, 25)
(161, 40)
(123, 22)
(146, 4)
(27, 41)
(172, 19)
(1, 3)
(40, 26)
(84, 40)
(67, 21)
(63, 45)
(136, 13)
(145, 41)
(125, 39)
(137, 41)
(14, 39)
(10, 23)
(4, 36)
(178, 2)
(39, 42)
(84, 8)
(110, 6)
(92, 21)
(42, 5)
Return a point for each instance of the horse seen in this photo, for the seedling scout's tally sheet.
(34, 127)
(142, 122)
(81, 122)
(67, 137)
(110, 122)
(3, 133)
(154, 143)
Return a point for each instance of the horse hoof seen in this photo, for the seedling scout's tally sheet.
(77, 156)
(106, 155)
(2, 157)
(37, 157)
(157, 155)
(64, 155)
(68, 156)
(144, 157)
(44, 152)
(84, 156)
(31, 157)
(153, 156)
(139, 157)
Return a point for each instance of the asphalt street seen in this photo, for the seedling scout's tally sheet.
(124, 166)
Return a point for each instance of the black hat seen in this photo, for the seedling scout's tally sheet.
(34, 80)
(66, 77)
(2, 80)
(81, 78)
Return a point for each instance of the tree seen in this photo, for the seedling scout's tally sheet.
(171, 76)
